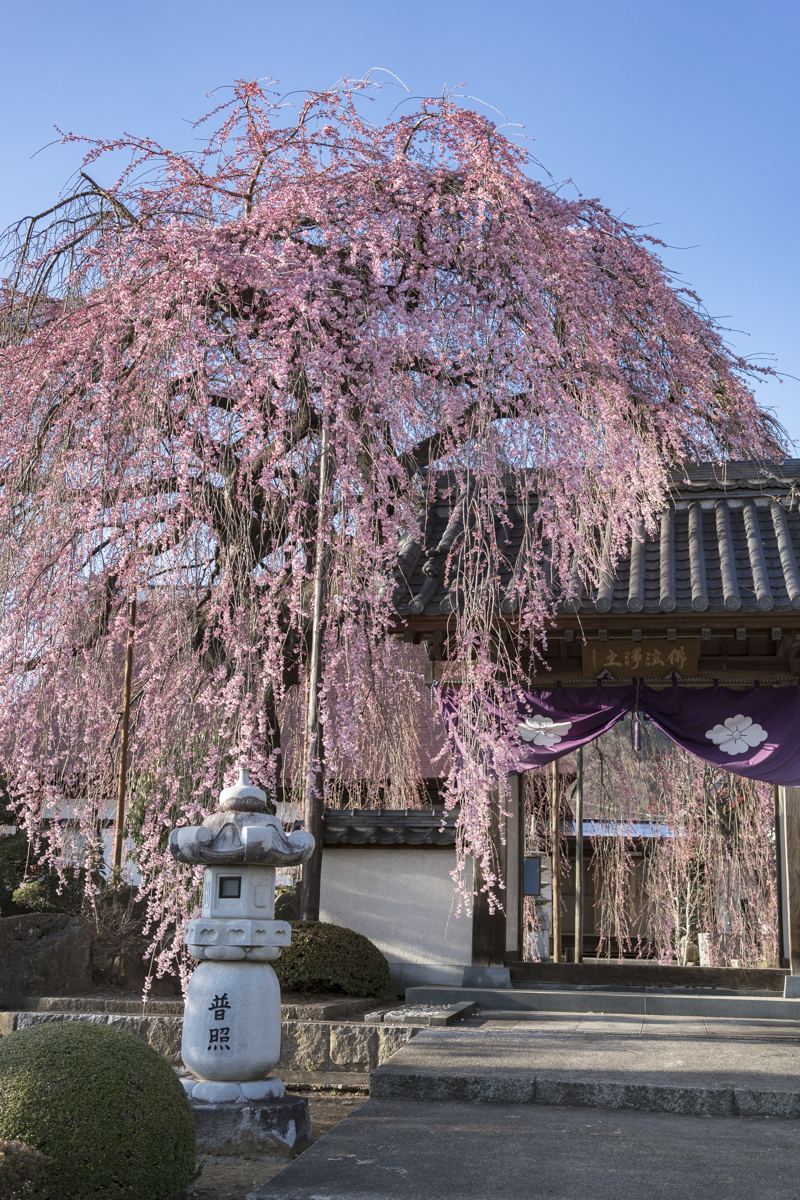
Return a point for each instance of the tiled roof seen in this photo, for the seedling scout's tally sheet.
(729, 541)
(388, 827)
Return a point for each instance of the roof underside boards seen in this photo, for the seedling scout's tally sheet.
(728, 542)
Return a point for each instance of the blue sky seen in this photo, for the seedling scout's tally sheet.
(684, 116)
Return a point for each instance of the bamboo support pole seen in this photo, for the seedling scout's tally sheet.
(313, 780)
(122, 780)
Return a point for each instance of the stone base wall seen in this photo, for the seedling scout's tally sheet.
(330, 1046)
(305, 1045)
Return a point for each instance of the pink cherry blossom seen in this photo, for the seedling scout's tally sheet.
(173, 344)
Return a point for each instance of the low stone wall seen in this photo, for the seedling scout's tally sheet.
(330, 1046)
(334, 1046)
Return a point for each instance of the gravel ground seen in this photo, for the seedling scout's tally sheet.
(233, 1178)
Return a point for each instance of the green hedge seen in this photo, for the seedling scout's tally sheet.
(105, 1107)
(330, 958)
(48, 893)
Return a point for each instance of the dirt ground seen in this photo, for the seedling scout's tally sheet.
(233, 1178)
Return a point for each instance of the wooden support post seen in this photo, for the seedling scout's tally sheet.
(122, 780)
(579, 860)
(790, 798)
(514, 871)
(780, 879)
(555, 859)
(489, 928)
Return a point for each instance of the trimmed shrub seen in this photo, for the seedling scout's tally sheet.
(330, 958)
(105, 1107)
(22, 1172)
(41, 893)
(287, 904)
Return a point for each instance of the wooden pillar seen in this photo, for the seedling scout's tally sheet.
(514, 870)
(489, 928)
(579, 860)
(780, 879)
(555, 858)
(790, 815)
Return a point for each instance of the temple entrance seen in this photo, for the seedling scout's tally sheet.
(697, 628)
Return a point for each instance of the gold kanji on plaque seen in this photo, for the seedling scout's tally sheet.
(650, 659)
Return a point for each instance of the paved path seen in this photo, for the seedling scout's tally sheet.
(407, 1150)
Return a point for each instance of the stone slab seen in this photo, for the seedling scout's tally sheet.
(335, 1010)
(97, 1004)
(405, 1150)
(427, 1015)
(275, 1128)
(694, 1077)
(639, 1002)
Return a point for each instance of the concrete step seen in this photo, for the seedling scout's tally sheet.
(710, 1077)
(641, 1001)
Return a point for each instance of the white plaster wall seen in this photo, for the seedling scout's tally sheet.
(401, 898)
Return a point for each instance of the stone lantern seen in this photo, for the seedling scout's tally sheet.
(232, 1017)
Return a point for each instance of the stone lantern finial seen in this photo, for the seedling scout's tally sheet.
(243, 796)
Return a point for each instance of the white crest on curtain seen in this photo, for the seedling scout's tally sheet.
(543, 731)
(737, 735)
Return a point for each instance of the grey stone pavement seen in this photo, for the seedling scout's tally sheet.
(412, 1150)
(570, 1106)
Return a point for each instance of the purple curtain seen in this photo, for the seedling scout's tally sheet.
(754, 733)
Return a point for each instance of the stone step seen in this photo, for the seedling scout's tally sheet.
(640, 1001)
(96, 1005)
(708, 1077)
(327, 1010)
